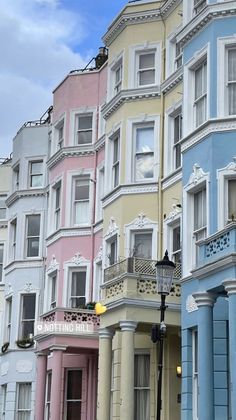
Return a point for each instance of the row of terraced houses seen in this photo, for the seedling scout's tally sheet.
(136, 155)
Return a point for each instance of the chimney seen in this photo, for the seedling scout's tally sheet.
(101, 57)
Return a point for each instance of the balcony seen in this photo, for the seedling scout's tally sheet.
(217, 246)
(135, 278)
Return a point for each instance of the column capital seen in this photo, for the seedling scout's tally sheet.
(128, 325)
(204, 299)
(58, 348)
(41, 353)
(105, 333)
(230, 286)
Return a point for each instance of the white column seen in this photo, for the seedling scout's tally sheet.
(127, 370)
(104, 373)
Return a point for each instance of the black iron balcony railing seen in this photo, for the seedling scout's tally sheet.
(135, 265)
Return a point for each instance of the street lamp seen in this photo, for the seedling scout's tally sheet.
(164, 275)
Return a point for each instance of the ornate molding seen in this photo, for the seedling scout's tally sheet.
(112, 228)
(54, 264)
(40, 192)
(99, 255)
(8, 289)
(140, 222)
(197, 175)
(177, 210)
(28, 287)
(129, 189)
(209, 127)
(204, 299)
(173, 80)
(71, 151)
(230, 286)
(78, 259)
(67, 233)
(191, 305)
(172, 179)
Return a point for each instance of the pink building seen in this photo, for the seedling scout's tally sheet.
(67, 342)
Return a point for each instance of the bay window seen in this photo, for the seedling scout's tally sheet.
(116, 160)
(36, 174)
(231, 80)
(3, 209)
(200, 220)
(57, 208)
(177, 133)
(144, 152)
(146, 68)
(53, 290)
(118, 78)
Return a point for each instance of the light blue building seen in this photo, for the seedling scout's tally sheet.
(208, 39)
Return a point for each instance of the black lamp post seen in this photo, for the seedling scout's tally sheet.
(164, 275)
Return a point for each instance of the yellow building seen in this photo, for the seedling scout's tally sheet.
(141, 209)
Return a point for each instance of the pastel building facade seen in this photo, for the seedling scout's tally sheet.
(23, 268)
(139, 190)
(67, 359)
(208, 152)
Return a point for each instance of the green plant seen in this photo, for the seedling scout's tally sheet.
(25, 342)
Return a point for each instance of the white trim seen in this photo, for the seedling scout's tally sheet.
(116, 62)
(26, 173)
(223, 175)
(188, 90)
(170, 114)
(18, 308)
(173, 220)
(137, 49)
(131, 123)
(197, 180)
(41, 235)
(111, 135)
(73, 120)
(51, 227)
(100, 187)
(61, 121)
(138, 225)
(76, 263)
(111, 232)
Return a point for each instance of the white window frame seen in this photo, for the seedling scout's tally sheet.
(16, 176)
(57, 210)
(28, 237)
(135, 52)
(74, 264)
(223, 176)
(189, 246)
(98, 276)
(173, 220)
(69, 211)
(100, 190)
(21, 320)
(8, 318)
(48, 400)
(109, 154)
(52, 270)
(82, 111)
(31, 174)
(141, 224)
(142, 120)
(12, 238)
(145, 353)
(170, 145)
(111, 233)
(189, 115)
(70, 297)
(171, 57)
(223, 45)
(188, 10)
(85, 179)
(58, 142)
(26, 410)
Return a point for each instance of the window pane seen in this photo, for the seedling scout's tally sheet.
(33, 247)
(113, 255)
(144, 166)
(146, 61)
(81, 212)
(1, 261)
(33, 225)
(82, 190)
(144, 139)
(74, 410)
(200, 209)
(176, 238)
(232, 99)
(232, 65)
(143, 245)
(58, 193)
(28, 310)
(85, 122)
(84, 137)
(141, 382)
(36, 167)
(49, 383)
(24, 396)
(146, 77)
(74, 385)
(232, 199)
(142, 404)
(78, 283)
(115, 149)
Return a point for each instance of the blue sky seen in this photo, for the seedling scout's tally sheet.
(44, 40)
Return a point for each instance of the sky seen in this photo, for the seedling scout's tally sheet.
(40, 42)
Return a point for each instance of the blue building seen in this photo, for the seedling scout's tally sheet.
(208, 39)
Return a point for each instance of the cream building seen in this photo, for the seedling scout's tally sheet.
(142, 210)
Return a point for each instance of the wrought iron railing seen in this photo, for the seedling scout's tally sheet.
(134, 265)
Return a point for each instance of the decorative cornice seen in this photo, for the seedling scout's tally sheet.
(191, 305)
(129, 95)
(78, 259)
(209, 13)
(177, 210)
(3, 224)
(98, 226)
(112, 228)
(209, 127)
(173, 80)
(54, 264)
(125, 19)
(230, 286)
(140, 222)
(171, 179)
(100, 143)
(39, 192)
(204, 299)
(196, 175)
(141, 304)
(214, 267)
(14, 265)
(129, 189)
(68, 233)
(71, 151)
(169, 6)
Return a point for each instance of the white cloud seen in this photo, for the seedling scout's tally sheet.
(35, 56)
